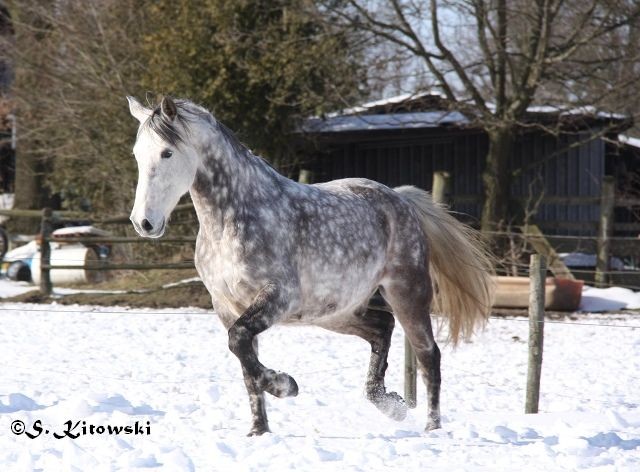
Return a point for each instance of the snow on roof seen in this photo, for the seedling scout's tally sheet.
(384, 101)
(357, 119)
(634, 142)
(564, 111)
(427, 119)
(583, 110)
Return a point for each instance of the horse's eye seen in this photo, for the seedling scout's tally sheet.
(166, 154)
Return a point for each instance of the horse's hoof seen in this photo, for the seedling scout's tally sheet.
(258, 430)
(433, 423)
(280, 385)
(392, 405)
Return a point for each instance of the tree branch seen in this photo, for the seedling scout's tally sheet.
(482, 22)
(535, 57)
(409, 31)
(573, 44)
(449, 57)
(501, 73)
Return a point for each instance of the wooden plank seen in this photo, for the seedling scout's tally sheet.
(537, 239)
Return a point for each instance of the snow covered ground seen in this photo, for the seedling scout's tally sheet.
(10, 288)
(171, 372)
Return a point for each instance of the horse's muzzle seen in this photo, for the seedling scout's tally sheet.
(147, 229)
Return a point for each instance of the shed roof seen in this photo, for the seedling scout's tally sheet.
(433, 110)
(359, 122)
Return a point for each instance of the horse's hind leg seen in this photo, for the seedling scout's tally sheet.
(410, 299)
(375, 327)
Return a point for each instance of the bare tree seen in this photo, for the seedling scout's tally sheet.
(74, 62)
(493, 59)
(261, 66)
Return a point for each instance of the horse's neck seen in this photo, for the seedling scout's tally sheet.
(230, 183)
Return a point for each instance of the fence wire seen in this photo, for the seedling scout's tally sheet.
(98, 311)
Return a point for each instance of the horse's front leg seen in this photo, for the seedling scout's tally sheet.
(256, 397)
(257, 401)
(264, 312)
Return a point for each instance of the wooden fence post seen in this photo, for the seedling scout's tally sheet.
(305, 176)
(440, 193)
(537, 276)
(607, 202)
(441, 188)
(410, 375)
(46, 227)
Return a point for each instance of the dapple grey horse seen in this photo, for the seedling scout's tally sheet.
(271, 250)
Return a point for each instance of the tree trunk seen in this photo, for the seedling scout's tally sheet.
(497, 178)
(29, 191)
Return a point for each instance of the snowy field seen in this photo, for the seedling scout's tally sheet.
(171, 372)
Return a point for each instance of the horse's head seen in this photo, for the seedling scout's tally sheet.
(167, 165)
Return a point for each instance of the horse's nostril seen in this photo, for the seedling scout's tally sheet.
(146, 225)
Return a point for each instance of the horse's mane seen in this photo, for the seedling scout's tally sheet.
(238, 146)
(189, 112)
(167, 129)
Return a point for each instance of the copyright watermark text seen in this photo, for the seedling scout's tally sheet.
(74, 429)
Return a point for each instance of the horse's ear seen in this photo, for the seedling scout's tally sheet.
(169, 109)
(138, 110)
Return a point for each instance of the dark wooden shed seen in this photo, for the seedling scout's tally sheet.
(406, 139)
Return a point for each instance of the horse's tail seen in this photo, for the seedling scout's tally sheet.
(460, 266)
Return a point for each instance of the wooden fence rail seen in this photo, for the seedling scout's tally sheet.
(63, 215)
(119, 239)
(48, 220)
(106, 266)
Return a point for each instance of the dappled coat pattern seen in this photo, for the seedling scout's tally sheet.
(271, 250)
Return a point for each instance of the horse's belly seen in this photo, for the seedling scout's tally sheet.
(329, 294)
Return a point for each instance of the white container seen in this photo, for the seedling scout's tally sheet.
(68, 254)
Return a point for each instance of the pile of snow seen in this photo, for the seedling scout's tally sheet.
(171, 370)
(609, 299)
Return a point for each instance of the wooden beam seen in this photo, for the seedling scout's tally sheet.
(536, 238)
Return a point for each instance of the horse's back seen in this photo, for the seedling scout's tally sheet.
(379, 203)
(365, 188)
